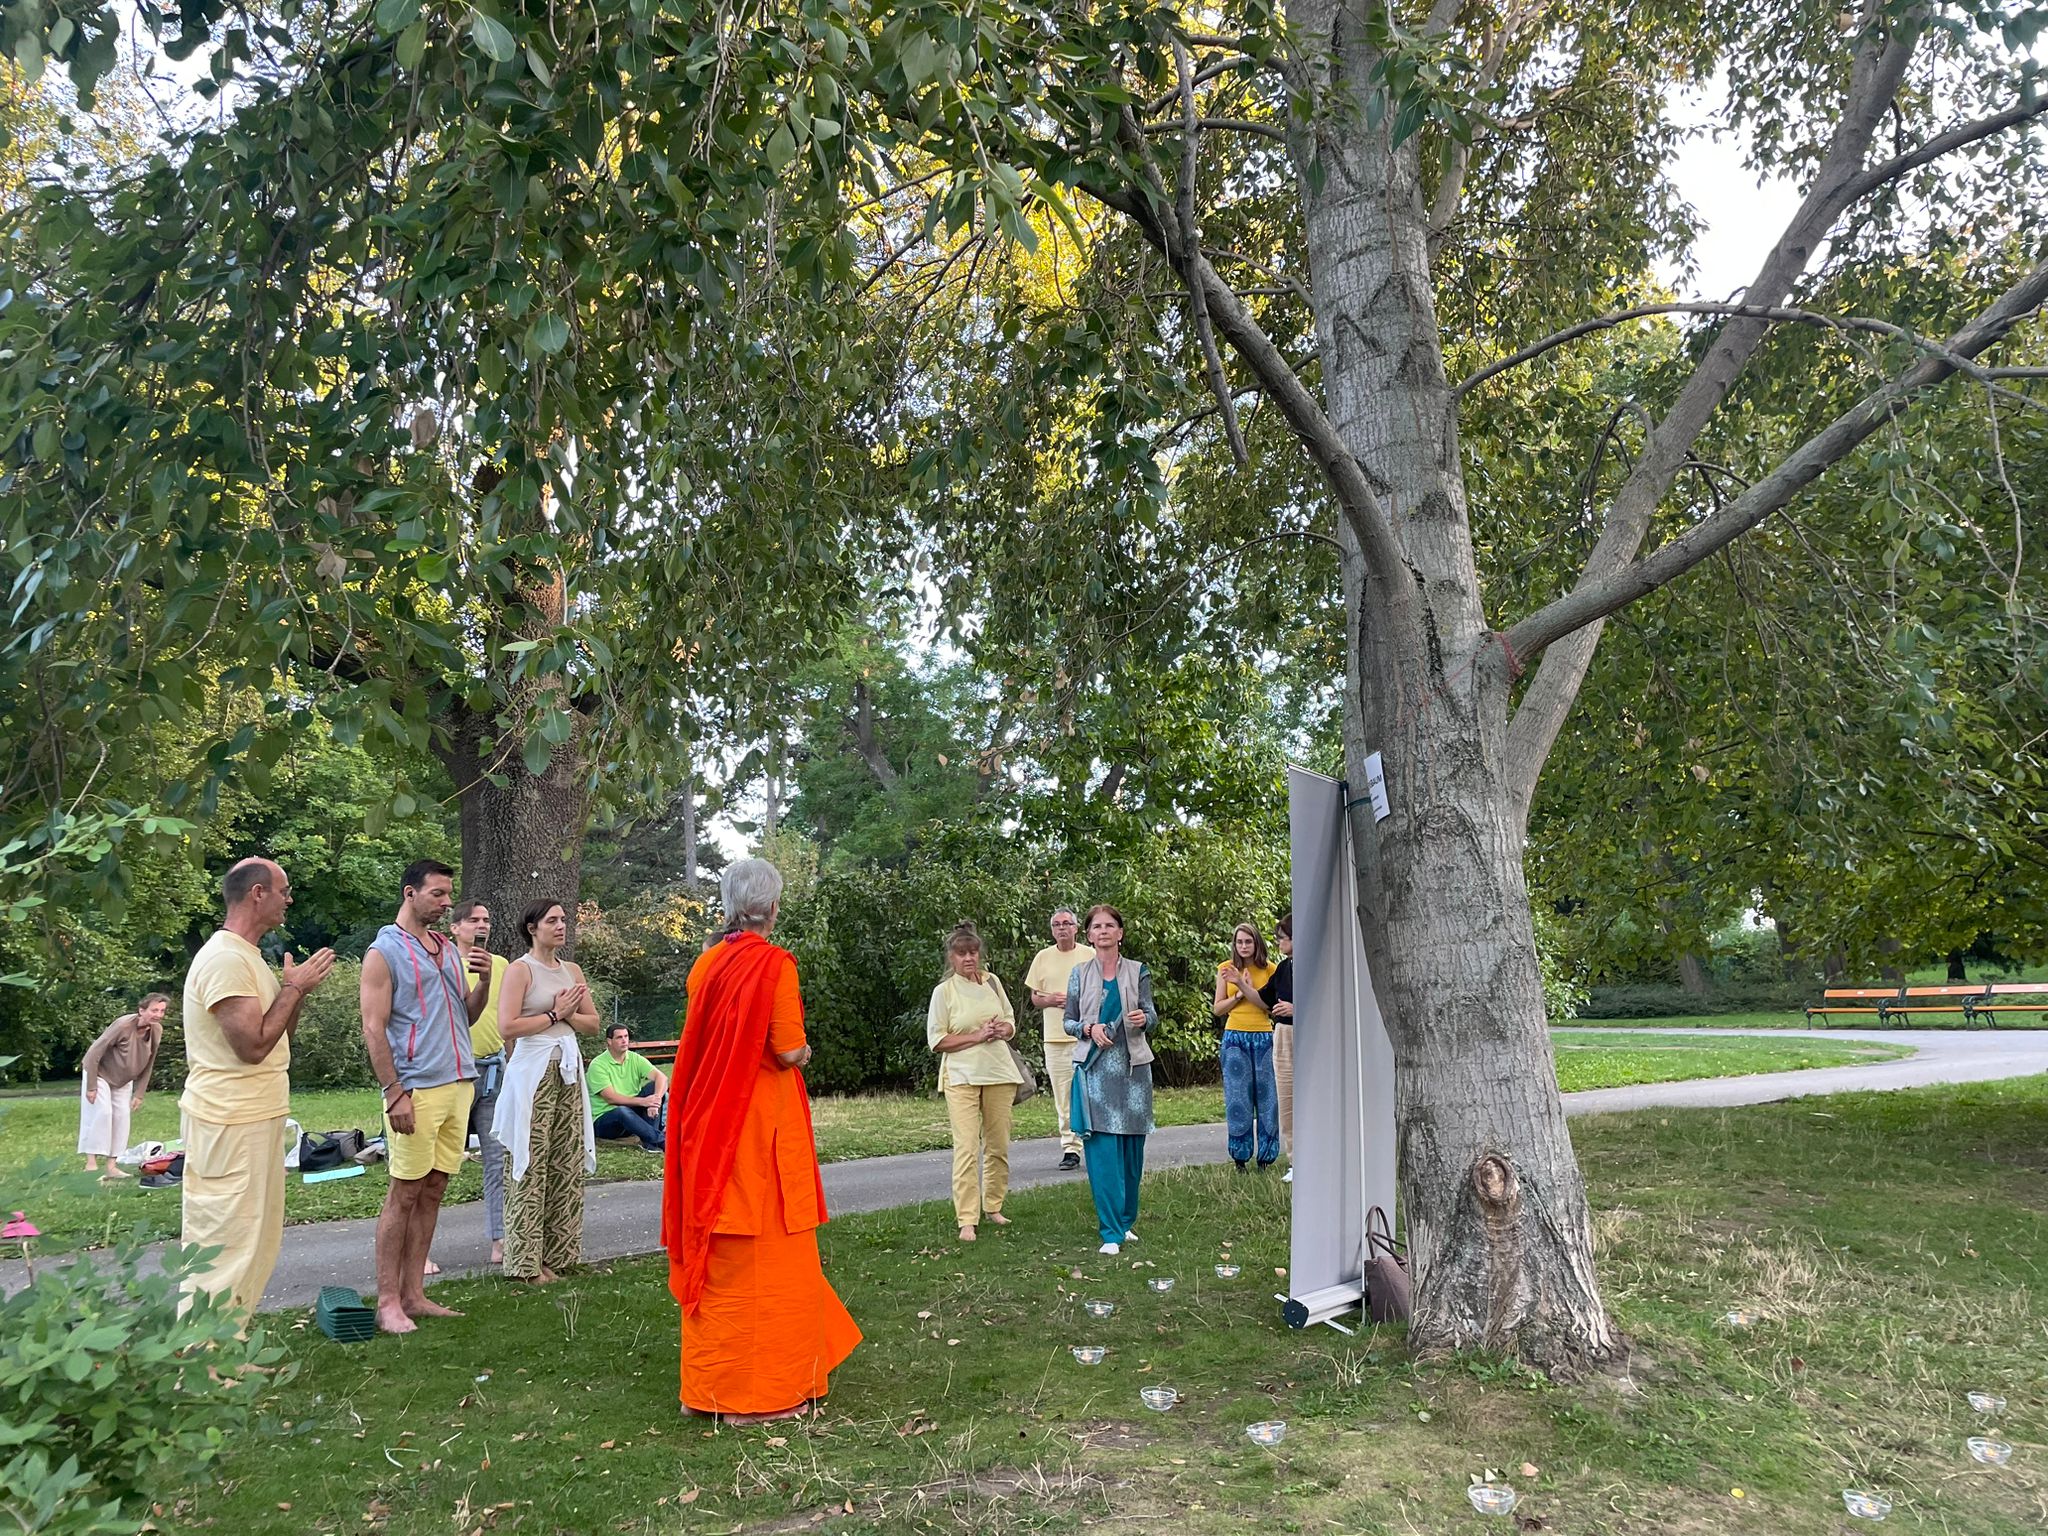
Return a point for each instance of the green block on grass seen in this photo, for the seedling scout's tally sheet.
(343, 1317)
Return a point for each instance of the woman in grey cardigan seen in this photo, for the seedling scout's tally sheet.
(1109, 1010)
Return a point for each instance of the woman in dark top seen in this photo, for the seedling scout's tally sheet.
(1278, 995)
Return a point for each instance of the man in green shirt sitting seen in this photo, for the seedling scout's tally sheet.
(626, 1092)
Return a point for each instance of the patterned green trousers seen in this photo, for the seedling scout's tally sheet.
(544, 1226)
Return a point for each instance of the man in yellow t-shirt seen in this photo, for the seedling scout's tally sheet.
(1050, 969)
(238, 1027)
(470, 922)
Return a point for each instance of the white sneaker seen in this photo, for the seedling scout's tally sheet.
(1112, 1249)
(1130, 1237)
(1287, 1177)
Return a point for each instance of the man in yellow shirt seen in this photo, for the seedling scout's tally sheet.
(1050, 969)
(238, 1027)
(470, 922)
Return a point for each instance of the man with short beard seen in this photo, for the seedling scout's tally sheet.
(417, 1007)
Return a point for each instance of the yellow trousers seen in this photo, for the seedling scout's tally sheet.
(1059, 1066)
(234, 1201)
(980, 1115)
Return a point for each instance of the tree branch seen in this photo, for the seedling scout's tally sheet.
(1191, 238)
(1775, 313)
(861, 726)
(1945, 143)
(1806, 464)
(1357, 500)
(1880, 64)
(1223, 124)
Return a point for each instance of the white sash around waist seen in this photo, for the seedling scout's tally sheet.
(513, 1125)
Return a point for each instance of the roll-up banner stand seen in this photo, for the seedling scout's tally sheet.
(1343, 1155)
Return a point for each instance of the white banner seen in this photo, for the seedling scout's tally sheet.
(1343, 1152)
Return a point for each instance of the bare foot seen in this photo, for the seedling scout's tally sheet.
(998, 1218)
(432, 1268)
(765, 1418)
(115, 1173)
(548, 1276)
(967, 1234)
(497, 1253)
(393, 1320)
(426, 1308)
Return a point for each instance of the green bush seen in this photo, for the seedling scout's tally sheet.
(868, 938)
(112, 1398)
(110, 1395)
(1674, 1002)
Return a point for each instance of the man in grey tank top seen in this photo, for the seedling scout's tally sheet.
(418, 1002)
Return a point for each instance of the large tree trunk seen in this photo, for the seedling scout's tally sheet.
(522, 833)
(1692, 974)
(1500, 1239)
(522, 837)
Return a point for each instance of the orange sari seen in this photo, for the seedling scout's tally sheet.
(743, 1199)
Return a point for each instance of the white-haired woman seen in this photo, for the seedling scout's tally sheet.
(743, 1200)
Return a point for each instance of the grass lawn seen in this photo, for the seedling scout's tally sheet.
(1597, 1058)
(866, 1126)
(1892, 1247)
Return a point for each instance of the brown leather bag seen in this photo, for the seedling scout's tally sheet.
(1387, 1297)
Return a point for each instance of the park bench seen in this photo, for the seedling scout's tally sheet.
(661, 1052)
(1971, 1001)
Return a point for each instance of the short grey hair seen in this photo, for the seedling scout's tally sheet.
(749, 890)
(1059, 912)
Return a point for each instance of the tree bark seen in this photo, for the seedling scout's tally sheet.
(522, 833)
(690, 872)
(522, 838)
(1692, 974)
(1500, 1240)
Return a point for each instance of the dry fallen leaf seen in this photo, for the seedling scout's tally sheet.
(924, 1317)
(606, 1445)
(778, 1440)
(1529, 1469)
(690, 1497)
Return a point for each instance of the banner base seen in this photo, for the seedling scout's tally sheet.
(1320, 1306)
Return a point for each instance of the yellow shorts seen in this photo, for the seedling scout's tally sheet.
(440, 1134)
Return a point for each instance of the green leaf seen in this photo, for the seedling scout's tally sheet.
(396, 15)
(492, 36)
(548, 335)
(781, 146)
(537, 754)
(412, 45)
(540, 70)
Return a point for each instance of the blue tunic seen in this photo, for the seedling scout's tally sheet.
(1110, 1095)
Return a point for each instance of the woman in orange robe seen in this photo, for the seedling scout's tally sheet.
(743, 1199)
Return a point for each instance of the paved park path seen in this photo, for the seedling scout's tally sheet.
(624, 1218)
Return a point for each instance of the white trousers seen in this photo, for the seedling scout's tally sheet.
(103, 1120)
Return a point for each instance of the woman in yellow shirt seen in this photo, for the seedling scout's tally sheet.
(969, 1024)
(1251, 1101)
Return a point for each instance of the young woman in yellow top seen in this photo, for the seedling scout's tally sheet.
(1251, 1100)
